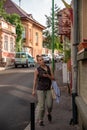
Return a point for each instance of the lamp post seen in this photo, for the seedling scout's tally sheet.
(53, 36)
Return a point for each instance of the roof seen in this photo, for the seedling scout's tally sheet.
(11, 7)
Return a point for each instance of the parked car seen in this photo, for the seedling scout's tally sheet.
(58, 57)
(31, 61)
(50, 57)
(46, 58)
(23, 59)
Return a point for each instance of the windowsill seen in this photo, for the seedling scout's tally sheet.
(82, 55)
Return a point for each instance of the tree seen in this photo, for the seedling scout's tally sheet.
(2, 11)
(48, 32)
(15, 20)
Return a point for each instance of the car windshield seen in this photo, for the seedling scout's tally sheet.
(44, 55)
(21, 55)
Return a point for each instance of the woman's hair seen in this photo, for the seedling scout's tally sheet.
(37, 57)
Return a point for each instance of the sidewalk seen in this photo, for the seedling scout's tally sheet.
(61, 115)
(7, 67)
(62, 112)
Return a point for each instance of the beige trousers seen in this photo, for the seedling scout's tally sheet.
(45, 100)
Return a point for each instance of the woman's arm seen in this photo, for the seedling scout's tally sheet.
(35, 82)
(50, 76)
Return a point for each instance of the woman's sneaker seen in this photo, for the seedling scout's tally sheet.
(49, 117)
(41, 123)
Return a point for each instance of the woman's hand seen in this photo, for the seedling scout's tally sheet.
(33, 92)
(49, 76)
(46, 75)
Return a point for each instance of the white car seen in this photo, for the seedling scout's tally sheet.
(24, 59)
(58, 57)
(46, 58)
(50, 56)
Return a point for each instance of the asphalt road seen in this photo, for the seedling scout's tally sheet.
(15, 98)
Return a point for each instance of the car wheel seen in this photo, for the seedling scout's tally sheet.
(28, 65)
(33, 65)
(23, 66)
(15, 66)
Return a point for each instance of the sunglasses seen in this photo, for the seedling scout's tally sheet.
(41, 59)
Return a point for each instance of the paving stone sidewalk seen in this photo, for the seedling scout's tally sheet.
(61, 115)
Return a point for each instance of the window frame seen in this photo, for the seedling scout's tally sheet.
(6, 42)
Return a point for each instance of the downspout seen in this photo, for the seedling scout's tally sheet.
(74, 61)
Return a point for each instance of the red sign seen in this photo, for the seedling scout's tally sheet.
(7, 54)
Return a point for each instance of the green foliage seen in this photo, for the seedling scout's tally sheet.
(48, 32)
(67, 50)
(15, 20)
(57, 44)
(67, 54)
(2, 11)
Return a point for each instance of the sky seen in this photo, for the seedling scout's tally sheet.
(39, 8)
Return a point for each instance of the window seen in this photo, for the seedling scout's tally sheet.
(36, 38)
(24, 33)
(11, 45)
(23, 55)
(17, 56)
(30, 35)
(20, 55)
(6, 42)
(29, 56)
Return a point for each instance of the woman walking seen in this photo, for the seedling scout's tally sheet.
(42, 84)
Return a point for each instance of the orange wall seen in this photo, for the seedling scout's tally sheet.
(37, 47)
(31, 42)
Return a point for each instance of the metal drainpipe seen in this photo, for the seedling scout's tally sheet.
(74, 61)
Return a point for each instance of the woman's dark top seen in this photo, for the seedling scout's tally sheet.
(44, 83)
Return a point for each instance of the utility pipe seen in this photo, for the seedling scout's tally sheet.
(74, 61)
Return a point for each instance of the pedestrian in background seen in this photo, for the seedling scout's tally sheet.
(42, 86)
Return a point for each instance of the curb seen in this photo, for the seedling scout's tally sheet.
(5, 68)
(2, 68)
(28, 127)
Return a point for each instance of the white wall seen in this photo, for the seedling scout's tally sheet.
(65, 73)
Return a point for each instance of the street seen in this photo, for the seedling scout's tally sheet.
(15, 98)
